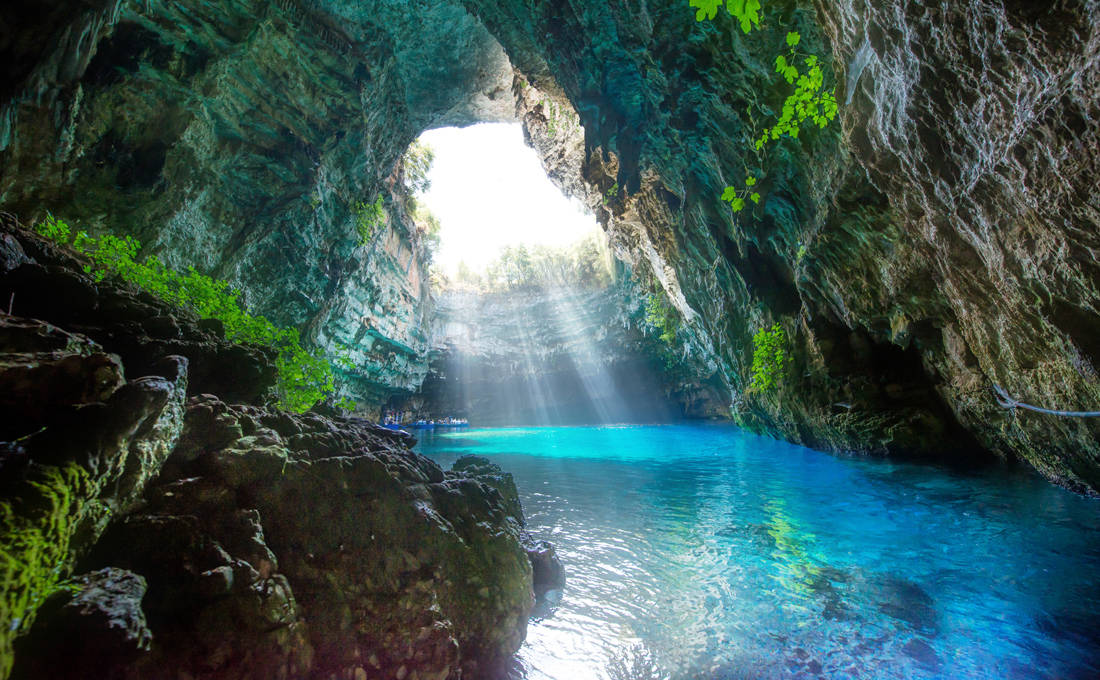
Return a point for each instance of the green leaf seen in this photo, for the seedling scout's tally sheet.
(729, 194)
(755, 198)
(780, 64)
(707, 9)
(738, 204)
(747, 13)
(793, 38)
(750, 180)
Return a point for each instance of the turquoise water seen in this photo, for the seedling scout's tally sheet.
(705, 552)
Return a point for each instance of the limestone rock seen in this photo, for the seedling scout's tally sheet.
(93, 451)
(96, 626)
(136, 327)
(371, 552)
(938, 239)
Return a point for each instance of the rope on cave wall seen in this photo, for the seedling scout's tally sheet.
(1008, 402)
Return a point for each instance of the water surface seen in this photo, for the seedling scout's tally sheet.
(705, 552)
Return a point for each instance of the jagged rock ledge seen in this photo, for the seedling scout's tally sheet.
(226, 540)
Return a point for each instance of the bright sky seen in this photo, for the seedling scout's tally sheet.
(489, 191)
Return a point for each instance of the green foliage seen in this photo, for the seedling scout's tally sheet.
(416, 166)
(769, 358)
(583, 265)
(367, 218)
(736, 198)
(747, 12)
(556, 118)
(810, 101)
(54, 229)
(801, 252)
(36, 527)
(304, 377)
(612, 192)
(660, 314)
(427, 226)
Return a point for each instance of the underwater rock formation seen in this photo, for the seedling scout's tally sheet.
(937, 239)
(225, 540)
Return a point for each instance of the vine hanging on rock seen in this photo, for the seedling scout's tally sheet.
(810, 100)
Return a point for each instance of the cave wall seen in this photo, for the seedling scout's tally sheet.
(238, 137)
(938, 238)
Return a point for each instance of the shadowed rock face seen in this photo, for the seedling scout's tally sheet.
(939, 237)
(239, 137)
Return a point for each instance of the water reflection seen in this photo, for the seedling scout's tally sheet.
(701, 552)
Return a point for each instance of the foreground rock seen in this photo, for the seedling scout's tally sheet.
(277, 545)
(78, 444)
(41, 280)
(222, 540)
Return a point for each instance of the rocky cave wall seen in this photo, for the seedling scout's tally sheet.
(239, 137)
(940, 237)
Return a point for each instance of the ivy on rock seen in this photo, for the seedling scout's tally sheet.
(747, 12)
(810, 100)
(769, 359)
(304, 377)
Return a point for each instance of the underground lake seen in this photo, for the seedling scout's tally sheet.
(703, 551)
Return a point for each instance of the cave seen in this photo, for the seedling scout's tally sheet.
(816, 397)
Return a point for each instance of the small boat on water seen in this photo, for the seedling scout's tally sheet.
(448, 423)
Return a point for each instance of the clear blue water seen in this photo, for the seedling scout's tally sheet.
(706, 552)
